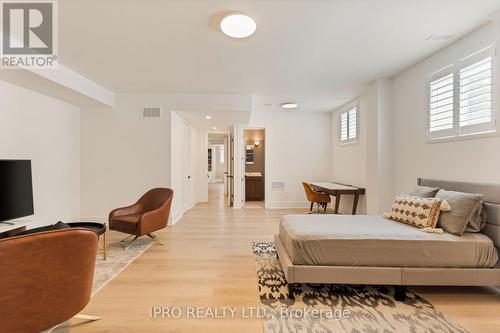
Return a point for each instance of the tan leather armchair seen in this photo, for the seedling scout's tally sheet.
(315, 197)
(149, 214)
(45, 278)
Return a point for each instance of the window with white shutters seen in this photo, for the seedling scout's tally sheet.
(461, 97)
(349, 125)
(476, 96)
(343, 126)
(353, 124)
(441, 105)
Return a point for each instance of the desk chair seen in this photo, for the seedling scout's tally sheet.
(315, 197)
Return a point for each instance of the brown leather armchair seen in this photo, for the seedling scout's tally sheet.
(45, 278)
(321, 199)
(150, 213)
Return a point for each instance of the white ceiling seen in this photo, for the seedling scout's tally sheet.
(32, 81)
(222, 120)
(216, 138)
(318, 53)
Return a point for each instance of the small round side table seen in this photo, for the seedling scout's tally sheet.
(99, 229)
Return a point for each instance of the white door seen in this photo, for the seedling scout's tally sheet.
(226, 164)
(243, 167)
(231, 170)
(186, 167)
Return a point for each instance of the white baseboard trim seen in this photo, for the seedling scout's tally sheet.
(175, 217)
(98, 219)
(287, 204)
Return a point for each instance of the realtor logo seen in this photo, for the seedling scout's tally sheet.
(29, 34)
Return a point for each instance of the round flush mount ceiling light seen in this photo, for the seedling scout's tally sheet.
(289, 105)
(208, 117)
(238, 26)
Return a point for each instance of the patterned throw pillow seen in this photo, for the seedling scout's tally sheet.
(418, 212)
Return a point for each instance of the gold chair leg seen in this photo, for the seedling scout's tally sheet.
(128, 245)
(155, 238)
(86, 317)
(126, 238)
(104, 246)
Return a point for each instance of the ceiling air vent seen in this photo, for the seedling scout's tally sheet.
(151, 112)
(441, 37)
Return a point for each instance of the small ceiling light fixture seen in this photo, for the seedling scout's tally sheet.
(208, 117)
(289, 105)
(214, 128)
(238, 26)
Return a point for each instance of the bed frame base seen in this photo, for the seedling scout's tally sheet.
(400, 293)
(291, 290)
(399, 277)
(408, 276)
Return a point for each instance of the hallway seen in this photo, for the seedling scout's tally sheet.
(216, 195)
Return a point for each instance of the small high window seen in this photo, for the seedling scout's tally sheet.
(349, 125)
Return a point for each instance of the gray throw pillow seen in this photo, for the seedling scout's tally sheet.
(464, 206)
(424, 192)
(478, 220)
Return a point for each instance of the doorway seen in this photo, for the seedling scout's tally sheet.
(255, 177)
(218, 167)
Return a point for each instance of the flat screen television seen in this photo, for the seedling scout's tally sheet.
(16, 189)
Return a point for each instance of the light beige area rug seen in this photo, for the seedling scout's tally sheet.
(118, 258)
(340, 308)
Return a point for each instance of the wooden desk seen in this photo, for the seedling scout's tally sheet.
(337, 190)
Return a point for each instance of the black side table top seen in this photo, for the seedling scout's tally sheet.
(98, 228)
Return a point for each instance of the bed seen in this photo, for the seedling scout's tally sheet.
(366, 249)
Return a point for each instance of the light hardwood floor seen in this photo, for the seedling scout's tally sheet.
(207, 261)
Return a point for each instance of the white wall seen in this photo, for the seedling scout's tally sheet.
(123, 154)
(365, 162)
(349, 161)
(379, 147)
(393, 148)
(47, 131)
(298, 149)
(176, 173)
(475, 160)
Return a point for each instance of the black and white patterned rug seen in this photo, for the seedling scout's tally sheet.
(340, 308)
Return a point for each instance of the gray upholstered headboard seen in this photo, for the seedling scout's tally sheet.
(491, 197)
